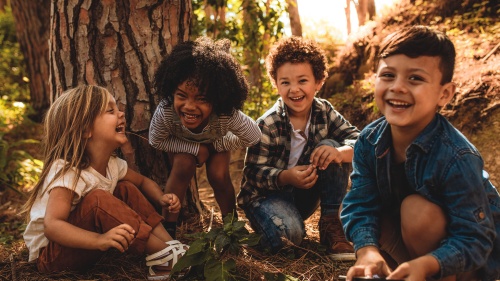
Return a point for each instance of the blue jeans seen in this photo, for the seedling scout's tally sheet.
(282, 214)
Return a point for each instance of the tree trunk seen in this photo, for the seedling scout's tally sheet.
(119, 45)
(217, 15)
(371, 8)
(347, 10)
(32, 29)
(293, 12)
(251, 55)
(362, 10)
(3, 3)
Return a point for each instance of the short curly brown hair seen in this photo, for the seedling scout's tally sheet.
(296, 50)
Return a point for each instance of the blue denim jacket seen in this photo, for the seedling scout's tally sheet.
(444, 167)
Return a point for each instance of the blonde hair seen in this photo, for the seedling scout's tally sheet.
(66, 123)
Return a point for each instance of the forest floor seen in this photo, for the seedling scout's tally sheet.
(307, 262)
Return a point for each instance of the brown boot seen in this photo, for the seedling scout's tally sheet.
(332, 236)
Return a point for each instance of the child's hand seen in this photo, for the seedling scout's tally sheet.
(203, 154)
(323, 155)
(303, 176)
(171, 201)
(368, 263)
(118, 237)
(417, 269)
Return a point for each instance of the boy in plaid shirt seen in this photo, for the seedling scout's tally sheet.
(304, 156)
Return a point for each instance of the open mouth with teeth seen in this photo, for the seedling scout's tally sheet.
(190, 117)
(297, 98)
(120, 129)
(398, 104)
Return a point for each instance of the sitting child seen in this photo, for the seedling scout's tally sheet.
(87, 201)
(304, 156)
(421, 205)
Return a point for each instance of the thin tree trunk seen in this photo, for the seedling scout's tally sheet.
(3, 3)
(293, 12)
(118, 45)
(362, 10)
(372, 10)
(347, 9)
(217, 15)
(251, 56)
(32, 29)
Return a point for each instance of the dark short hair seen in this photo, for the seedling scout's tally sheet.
(296, 50)
(210, 67)
(418, 40)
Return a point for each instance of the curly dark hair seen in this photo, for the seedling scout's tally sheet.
(296, 50)
(210, 67)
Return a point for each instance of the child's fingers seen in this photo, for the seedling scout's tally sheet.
(127, 227)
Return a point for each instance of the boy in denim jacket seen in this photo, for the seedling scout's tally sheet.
(421, 205)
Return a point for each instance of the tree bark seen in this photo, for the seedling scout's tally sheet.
(293, 12)
(32, 29)
(118, 45)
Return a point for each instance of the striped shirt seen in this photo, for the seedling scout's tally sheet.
(265, 160)
(226, 132)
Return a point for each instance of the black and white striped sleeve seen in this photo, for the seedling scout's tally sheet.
(161, 134)
(242, 131)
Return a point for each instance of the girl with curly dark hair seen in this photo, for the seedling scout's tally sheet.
(199, 118)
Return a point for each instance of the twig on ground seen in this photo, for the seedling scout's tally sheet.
(13, 267)
(490, 53)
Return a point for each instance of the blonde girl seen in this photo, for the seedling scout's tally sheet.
(87, 200)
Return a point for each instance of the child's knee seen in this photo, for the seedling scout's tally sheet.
(219, 179)
(420, 216)
(183, 165)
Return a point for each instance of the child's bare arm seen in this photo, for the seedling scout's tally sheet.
(153, 191)
(57, 228)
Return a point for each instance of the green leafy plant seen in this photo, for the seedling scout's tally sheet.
(18, 168)
(209, 254)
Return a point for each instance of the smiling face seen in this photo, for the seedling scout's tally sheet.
(108, 129)
(192, 107)
(297, 87)
(408, 91)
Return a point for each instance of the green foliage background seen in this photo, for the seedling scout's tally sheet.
(18, 169)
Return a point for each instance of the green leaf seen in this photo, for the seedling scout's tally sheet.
(190, 260)
(251, 240)
(27, 141)
(238, 225)
(4, 147)
(197, 246)
(213, 233)
(219, 271)
(228, 219)
(221, 241)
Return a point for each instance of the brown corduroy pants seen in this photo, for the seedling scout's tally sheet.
(100, 211)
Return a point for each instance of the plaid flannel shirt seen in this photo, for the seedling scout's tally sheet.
(266, 159)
